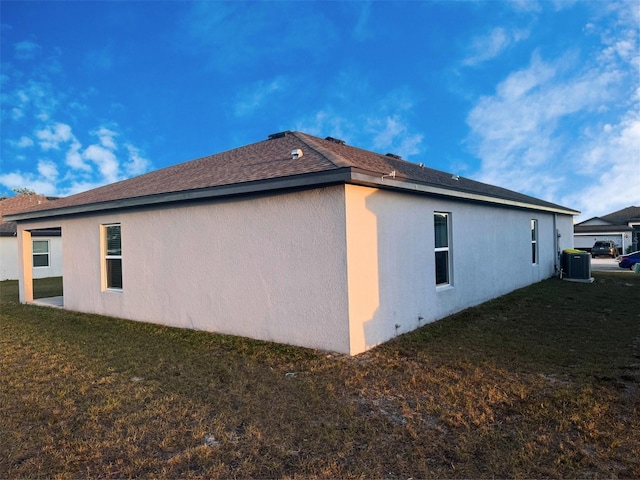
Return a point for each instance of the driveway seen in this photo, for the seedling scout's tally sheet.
(604, 264)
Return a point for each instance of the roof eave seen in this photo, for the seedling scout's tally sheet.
(340, 175)
(367, 179)
(259, 186)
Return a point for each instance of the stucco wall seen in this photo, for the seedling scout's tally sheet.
(9, 258)
(270, 267)
(342, 268)
(390, 240)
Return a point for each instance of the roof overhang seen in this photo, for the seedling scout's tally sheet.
(345, 175)
(414, 187)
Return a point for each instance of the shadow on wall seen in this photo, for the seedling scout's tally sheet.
(394, 263)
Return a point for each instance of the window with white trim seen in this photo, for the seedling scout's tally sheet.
(112, 257)
(40, 250)
(442, 231)
(534, 242)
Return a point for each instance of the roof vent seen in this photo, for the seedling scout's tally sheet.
(335, 140)
(279, 134)
(455, 177)
(393, 155)
(296, 153)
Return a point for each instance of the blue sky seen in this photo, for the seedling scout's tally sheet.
(542, 97)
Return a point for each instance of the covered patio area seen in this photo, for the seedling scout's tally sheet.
(56, 302)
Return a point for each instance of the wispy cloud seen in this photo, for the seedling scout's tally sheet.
(223, 32)
(27, 50)
(48, 170)
(257, 95)
(383, 125)
(100, 59)
(610, 156)
(393, 133)
(52, 136)
(525, 133)
(23, 142)
(361, 30)
(491, 45)
(47, 153)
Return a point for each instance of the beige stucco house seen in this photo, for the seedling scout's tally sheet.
(299, 240)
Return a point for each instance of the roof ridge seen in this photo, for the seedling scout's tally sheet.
(337, 160)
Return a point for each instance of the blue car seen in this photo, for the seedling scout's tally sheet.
(629, 260)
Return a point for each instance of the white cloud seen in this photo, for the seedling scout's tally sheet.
(137, 164)
(106, 137)
(23, 142)
(567, 129)
(48, 170)
(73, 157)
(53, 135)
(29, 180)
(515, 131)
(105, 160)
(612, 162)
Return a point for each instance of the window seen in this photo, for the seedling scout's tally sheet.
(41, 253)
(442, 248)
(534, 242)
(113, 257)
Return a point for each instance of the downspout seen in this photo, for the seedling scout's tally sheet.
(556, 243)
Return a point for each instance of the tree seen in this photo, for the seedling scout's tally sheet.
(24, 191)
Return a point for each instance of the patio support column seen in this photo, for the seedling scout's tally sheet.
(25, 271)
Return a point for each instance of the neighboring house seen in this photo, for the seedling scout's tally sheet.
(46, 244)
(298, 240)
(623, 227)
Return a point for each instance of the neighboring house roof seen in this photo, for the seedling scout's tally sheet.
(615, 222)
(601, 228)
(271, 165)
(624, 216)
(18, 203)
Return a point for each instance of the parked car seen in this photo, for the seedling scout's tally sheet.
(629, 260)
(604, 247)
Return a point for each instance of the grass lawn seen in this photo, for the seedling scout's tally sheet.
(543, 382)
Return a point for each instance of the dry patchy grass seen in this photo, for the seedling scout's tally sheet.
(543, 382)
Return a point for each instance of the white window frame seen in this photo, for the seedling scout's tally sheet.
(535, 257)
(106, 257)
(446, 249)
(47, 253)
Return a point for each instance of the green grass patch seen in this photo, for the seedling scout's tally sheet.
(543, 382)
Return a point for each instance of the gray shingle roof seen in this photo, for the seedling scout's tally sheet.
(601, 228)
(264, 162)
(622, 217)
